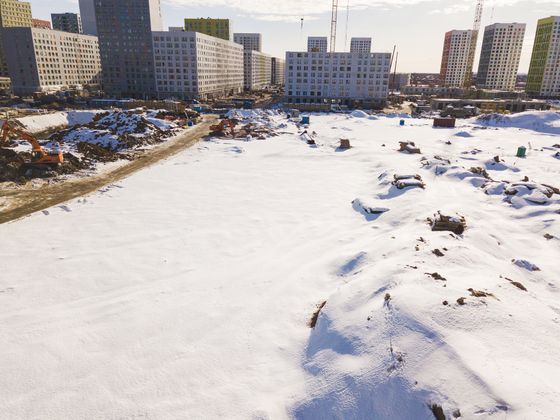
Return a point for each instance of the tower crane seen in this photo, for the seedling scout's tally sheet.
(334, 21)
(474, 41)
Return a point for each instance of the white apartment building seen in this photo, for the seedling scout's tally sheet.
(360, 45)
(278, 71)
(257, 69)
(45, 60)
(250, 41)
(457, 58)
(355, 79)
(500, 56)
(192, 65)
(317, 44)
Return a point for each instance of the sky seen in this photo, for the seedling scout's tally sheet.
(416, 27)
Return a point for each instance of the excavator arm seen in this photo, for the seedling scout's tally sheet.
(40, 156)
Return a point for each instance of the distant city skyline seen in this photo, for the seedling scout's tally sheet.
(417, 27)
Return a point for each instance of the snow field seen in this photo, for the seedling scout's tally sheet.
(185, 290)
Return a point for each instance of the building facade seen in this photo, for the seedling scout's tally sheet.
(219, 28)
(544, 72)
(87, 13)
(250, 41)
(39, 23)
(67, 22)
(354, 79)
(257, 68)
(192, 65)
(500, 56)
(125, 43)
(317, 44)
(13, 13)
(399, 80)
(46, 60)
(278, 71)
(457, 58)
(360, 45)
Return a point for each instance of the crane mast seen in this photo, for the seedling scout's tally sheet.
(474, 40)
(334, 20)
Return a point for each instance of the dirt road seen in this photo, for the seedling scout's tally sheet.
(22, 202)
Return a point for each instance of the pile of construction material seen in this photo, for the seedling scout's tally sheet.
(109, 137)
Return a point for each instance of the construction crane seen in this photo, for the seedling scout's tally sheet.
(334, 21)
(474, 41)
(39, 156)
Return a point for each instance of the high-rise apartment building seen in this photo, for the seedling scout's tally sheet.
(360, 45)
(46, 60)
(544, 72)
(219, 28)
(356, 79)
(457, 58)
(257, 70)
(13, 13)
(192, 65)
(317, 44)
(500, 56)
(125, 43)
(278, 71)
(250, 41)
(87, 13)
(67, 22)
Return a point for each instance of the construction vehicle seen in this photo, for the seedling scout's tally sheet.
(220, 129)
(39, 156)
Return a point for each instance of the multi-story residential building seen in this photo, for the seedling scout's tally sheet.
(500, 56)
(355, 79)
(250, 41)
(360, 45)
(192, 65)
(278, 71)
(544, 72)
(39, 23)
(125, 43)
(257, 68)
(219, 28)
(87, 13)
(46, 60)
(13, 13)
(457, 59)
(317, 44)
(67, 22)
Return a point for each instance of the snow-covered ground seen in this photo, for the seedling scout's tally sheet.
(185, 291)
(38, 123)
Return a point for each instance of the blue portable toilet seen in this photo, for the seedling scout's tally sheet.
(305, 119)
(402, 123)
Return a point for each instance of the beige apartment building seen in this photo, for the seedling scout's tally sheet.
(13, 13)
(45, 60)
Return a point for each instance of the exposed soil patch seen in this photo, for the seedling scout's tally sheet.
(315, 316)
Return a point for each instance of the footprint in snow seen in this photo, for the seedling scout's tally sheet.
(65, 208)
(46, 212)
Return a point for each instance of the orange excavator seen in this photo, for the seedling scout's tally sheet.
(220, 129)
(39, 156)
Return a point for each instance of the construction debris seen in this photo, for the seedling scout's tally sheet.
(406, 181)
(409, 147)
(440, 223)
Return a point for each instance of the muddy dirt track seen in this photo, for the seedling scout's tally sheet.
(25, 201)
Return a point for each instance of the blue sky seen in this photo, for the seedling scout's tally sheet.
(415, 26)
